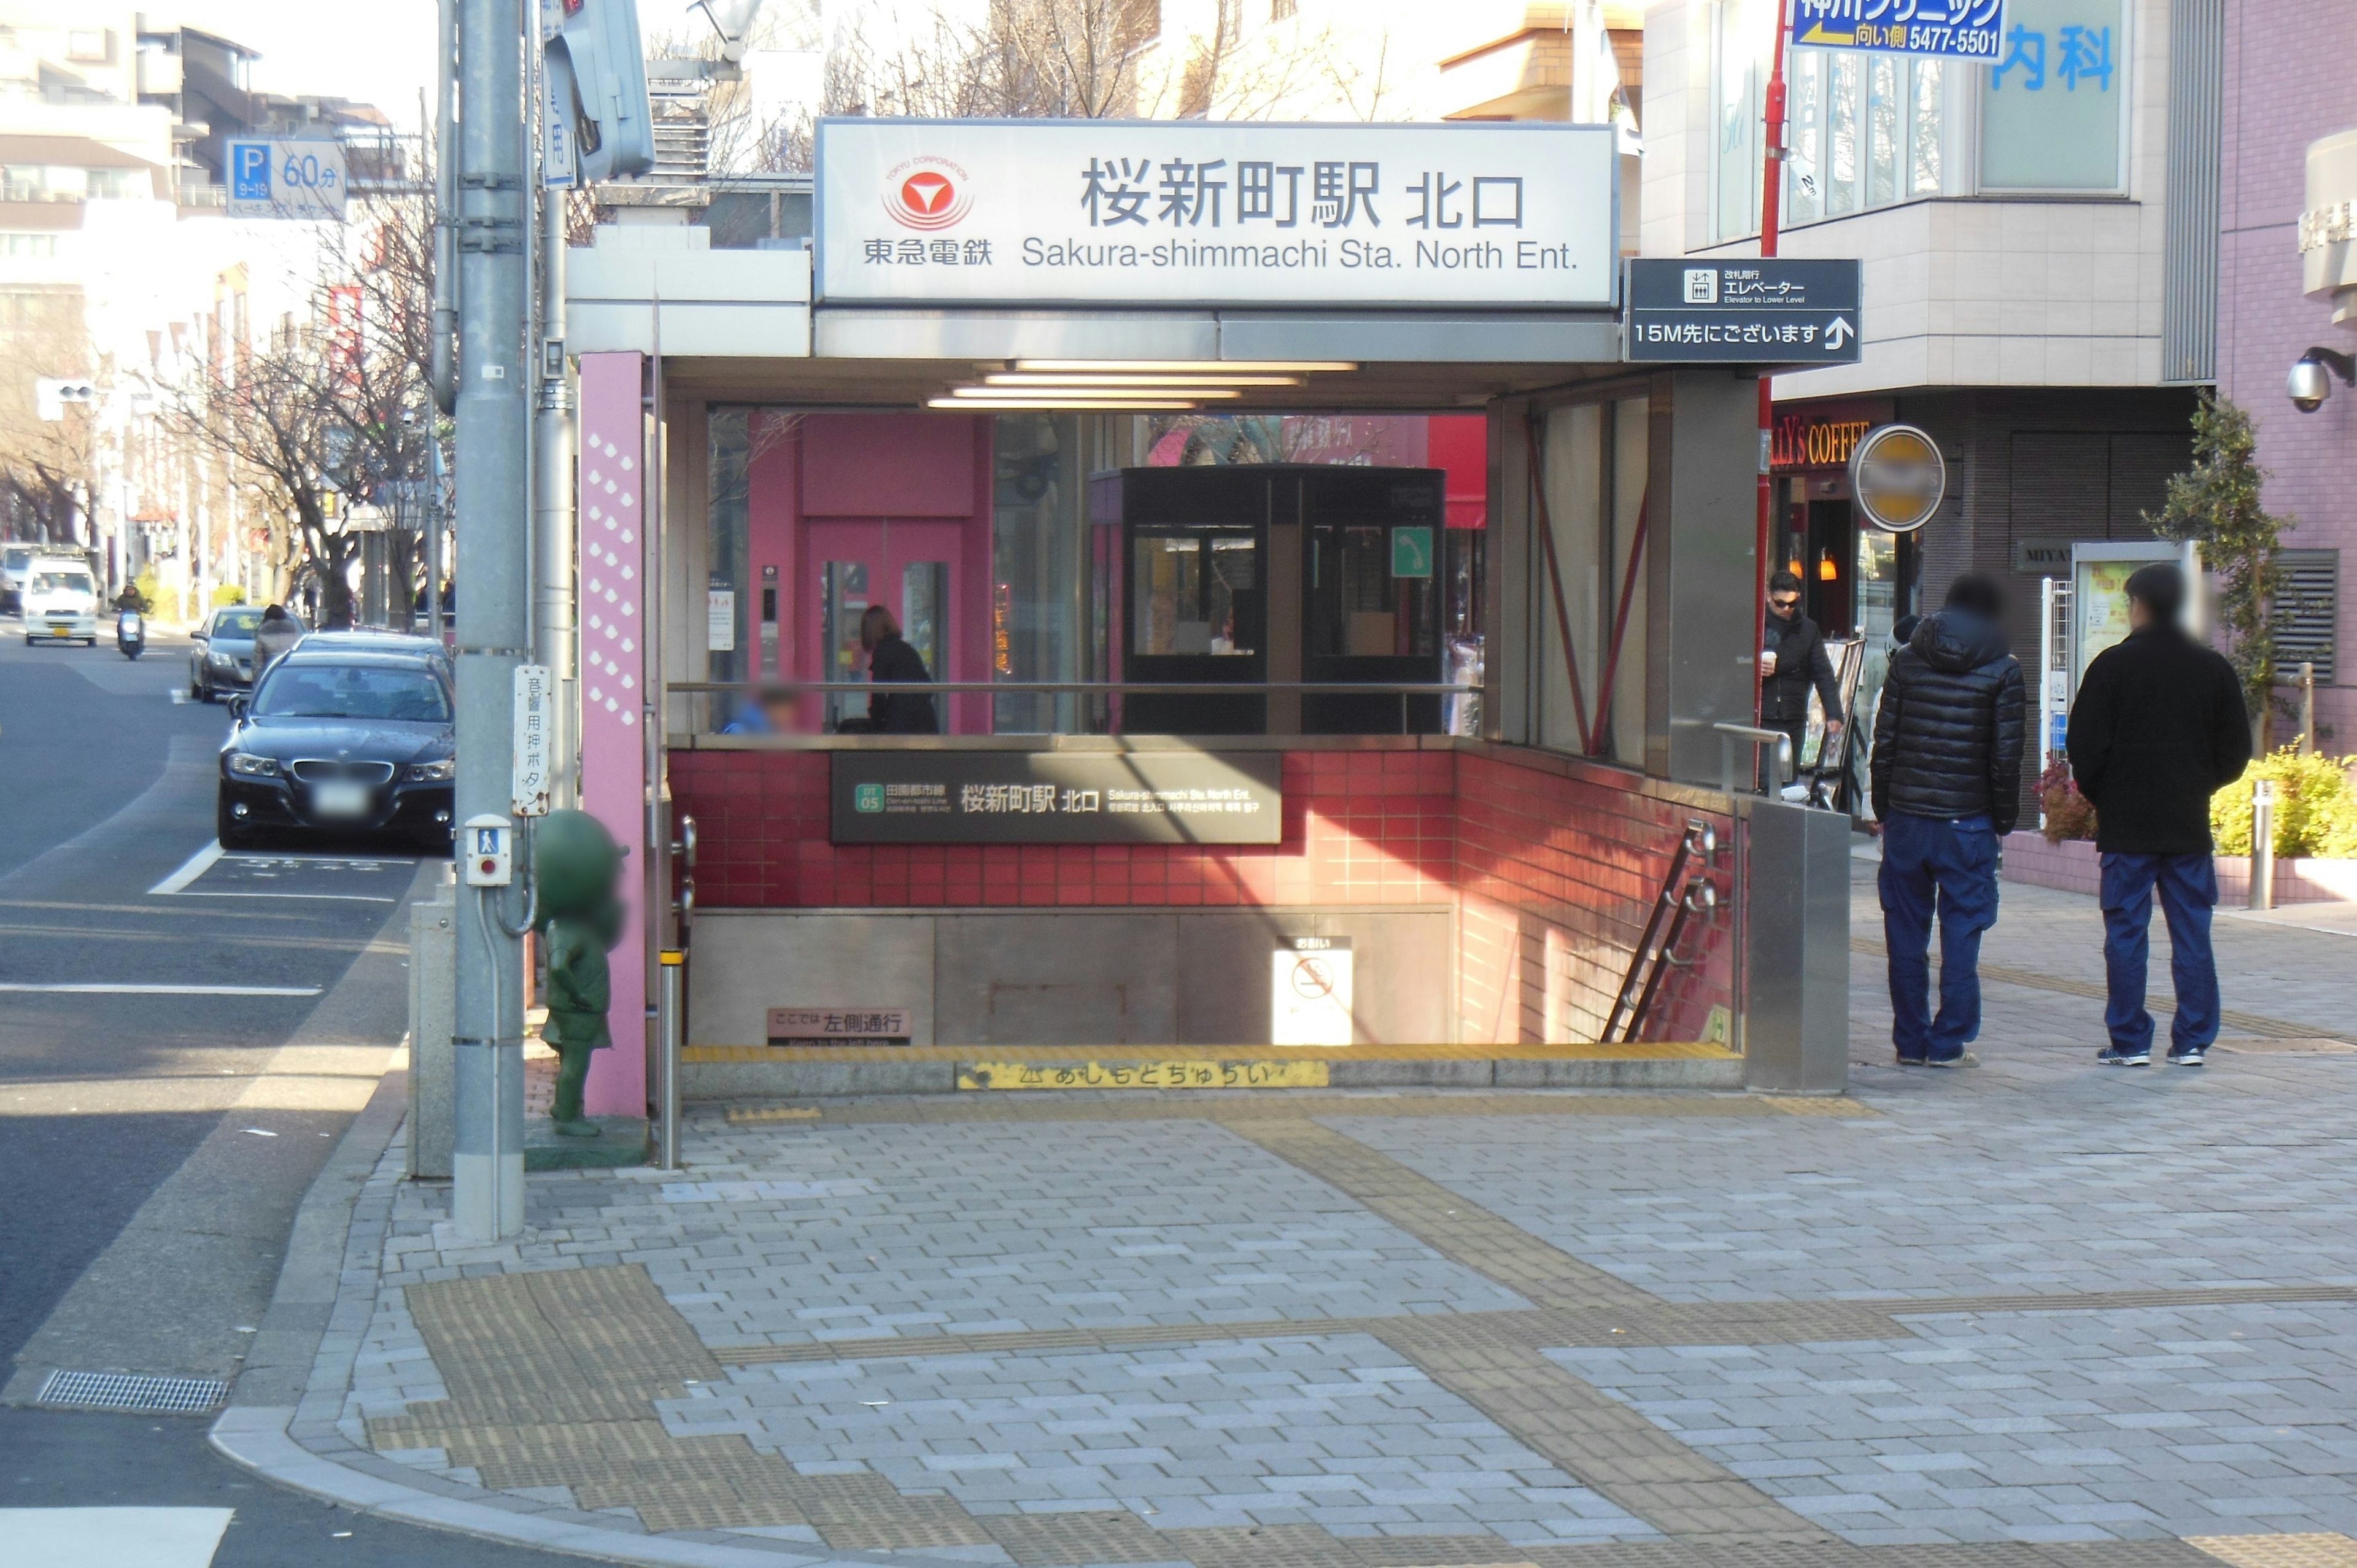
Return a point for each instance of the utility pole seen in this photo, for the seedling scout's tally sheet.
(494, 623)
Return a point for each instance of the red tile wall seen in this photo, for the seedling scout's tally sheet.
(1553, 867)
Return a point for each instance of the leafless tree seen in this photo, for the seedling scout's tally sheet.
(330, 411)
(46, 452)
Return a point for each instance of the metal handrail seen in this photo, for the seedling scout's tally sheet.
(1730, 734)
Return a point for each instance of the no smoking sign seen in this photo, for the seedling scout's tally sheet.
(1309, 994)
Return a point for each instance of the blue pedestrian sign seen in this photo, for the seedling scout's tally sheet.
(1951, 29)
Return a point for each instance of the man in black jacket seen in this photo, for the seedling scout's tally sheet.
(1946, 779)
(892, 658)
(1792, 658)
(2158, 728)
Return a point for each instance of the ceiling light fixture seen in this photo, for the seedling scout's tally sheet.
(1193, 367)
(1000, 406)
(1092, 394)
(1072, 378)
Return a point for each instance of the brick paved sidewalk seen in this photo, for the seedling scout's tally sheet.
(2041, 1313)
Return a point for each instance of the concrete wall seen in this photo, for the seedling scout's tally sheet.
(1095, 977)
(2287, 84)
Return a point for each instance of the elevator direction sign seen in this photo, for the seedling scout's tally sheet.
(1685, 310)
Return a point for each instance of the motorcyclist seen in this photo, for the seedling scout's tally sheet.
(131, 599)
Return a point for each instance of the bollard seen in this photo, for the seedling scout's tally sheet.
(2307, 708)
(669, 1013)
(2262, 843)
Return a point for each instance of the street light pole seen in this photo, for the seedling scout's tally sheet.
(494, 627)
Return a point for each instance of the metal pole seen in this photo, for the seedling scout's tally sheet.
(2307, 708)
(1771, 197)
(2262, 843)
(670, 1015)
(493, 434)
(552, 537)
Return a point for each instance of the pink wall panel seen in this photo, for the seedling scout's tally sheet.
(888, 465)
(614, 690)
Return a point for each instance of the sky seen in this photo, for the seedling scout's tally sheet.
(382, 53)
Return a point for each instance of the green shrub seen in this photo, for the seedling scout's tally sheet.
(2315, 807)
(228, 594)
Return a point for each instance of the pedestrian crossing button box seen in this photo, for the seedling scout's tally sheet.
(487, 852)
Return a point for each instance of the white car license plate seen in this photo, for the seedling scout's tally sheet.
(339, 798)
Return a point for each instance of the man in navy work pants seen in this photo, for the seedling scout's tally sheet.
(2158, 728)
(1947, 778)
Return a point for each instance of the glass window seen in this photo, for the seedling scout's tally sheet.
(1863, 130)
(353, 691)
(1038, 548)
(846, 585)
(61, 582)
(2050, 108)
(1188, 589)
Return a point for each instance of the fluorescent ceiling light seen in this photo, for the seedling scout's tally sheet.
(1092, 406)
(1193, 367)
(1091, 394)
(1188, 383)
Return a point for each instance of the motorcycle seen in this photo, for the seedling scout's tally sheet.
(131, 633)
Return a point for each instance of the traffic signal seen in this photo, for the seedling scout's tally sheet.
(597, 56)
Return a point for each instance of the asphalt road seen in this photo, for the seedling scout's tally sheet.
(183, 1036)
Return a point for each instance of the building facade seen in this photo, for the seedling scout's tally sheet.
(2277, 100)
(2040, 268)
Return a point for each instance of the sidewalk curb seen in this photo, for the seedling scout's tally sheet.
(285, 1371)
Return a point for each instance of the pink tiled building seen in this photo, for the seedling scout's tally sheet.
(2286, 64)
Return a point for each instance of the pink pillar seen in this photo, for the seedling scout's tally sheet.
(614, 663)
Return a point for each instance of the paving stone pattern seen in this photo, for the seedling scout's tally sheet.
(2029, 1426)
(2040, 1314)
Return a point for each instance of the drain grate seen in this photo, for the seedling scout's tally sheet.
(126, 1390)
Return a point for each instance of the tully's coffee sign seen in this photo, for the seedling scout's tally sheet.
(1813, 441)
(1005, 797)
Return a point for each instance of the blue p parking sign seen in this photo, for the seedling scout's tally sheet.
(249, 171)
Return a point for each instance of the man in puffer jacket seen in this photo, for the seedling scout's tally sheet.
(1946, 785)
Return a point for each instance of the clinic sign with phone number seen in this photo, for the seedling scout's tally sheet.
(304, 180)
(1950, 29)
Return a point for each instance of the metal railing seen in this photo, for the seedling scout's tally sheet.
(1731, 734)
(1100, 701)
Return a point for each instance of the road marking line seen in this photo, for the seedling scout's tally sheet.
(106, 988)
(116, 1538)
(342, 897)
(265, 855)
(196, 866)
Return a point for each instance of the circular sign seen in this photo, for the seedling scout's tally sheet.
(1897, 477)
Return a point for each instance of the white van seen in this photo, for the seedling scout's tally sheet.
(16, 566)
(61, 601)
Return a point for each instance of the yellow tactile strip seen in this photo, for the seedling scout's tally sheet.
(1646, 1051)
(2320, 1551)
(1150, 1107)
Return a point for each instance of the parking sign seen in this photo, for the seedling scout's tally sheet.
(279, 178)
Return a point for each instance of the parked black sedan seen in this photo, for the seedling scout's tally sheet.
(346, 742)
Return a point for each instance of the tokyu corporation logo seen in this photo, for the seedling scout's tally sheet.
(927, 193)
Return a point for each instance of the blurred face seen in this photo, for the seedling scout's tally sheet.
(782, 709)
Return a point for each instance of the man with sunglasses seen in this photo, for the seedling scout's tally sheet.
(1792, 658)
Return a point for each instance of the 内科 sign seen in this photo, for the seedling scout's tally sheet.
(1216, 212)
(1957, 29)
(1896, 477)
(1013, 797)
(1743, 312)
(1309, 991)
(270, 178)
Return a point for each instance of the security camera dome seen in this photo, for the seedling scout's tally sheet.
(2309, 384)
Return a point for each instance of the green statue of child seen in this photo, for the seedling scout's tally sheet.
(576, 864)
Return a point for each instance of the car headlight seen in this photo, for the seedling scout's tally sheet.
(252, 767)
(440, 772)
(226, 661)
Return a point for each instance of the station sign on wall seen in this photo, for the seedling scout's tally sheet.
(1216, 213)
(1014, 797)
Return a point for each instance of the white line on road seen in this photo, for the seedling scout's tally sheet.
(340, 897)
(109, 988)
(196, 866)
